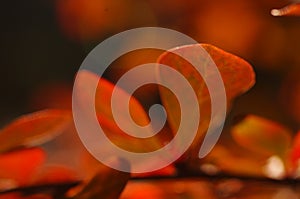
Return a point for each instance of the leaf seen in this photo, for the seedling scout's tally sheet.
(181, 188)
(262, 136)
(295, 151)
(289, 10)
(106, 184)
(10, 196)
(33, 129)
(232, 160)
(86, 97)
(20, 165)
(52, 174)
(237, 75)
(145, 190)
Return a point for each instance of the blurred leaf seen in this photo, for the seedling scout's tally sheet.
(262, 136)
(289, 10)
(33, 129)
(237, 75)
(53, 174)
(20, 165)
(84, 86)
(10, 196)
(145, 190)
(191, 188)
(295, 151)
(234, 161)
(106, 184)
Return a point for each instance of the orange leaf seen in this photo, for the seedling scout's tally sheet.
(262, 136)
(289, 10)
(237, 75)
(84, 87)
(20, 165)
(33, 129)
(229, 160)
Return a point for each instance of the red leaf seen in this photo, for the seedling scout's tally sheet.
(84, 88)
(295, 152)
(237, 75)
(20, 165)
(54, 174)
(34, 129)
(10, 196)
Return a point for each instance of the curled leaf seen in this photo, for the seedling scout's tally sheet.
(20, 165)
(33, 129)
(262, 136)
(91, 90)
(289, 10)
(237, 75)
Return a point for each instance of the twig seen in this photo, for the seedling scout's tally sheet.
(53, 189)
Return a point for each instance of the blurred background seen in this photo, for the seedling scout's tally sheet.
(43, 43)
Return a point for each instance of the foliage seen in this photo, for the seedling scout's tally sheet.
(34, 129)
(253, 147)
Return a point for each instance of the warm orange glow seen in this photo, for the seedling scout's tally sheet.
(21, 165)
